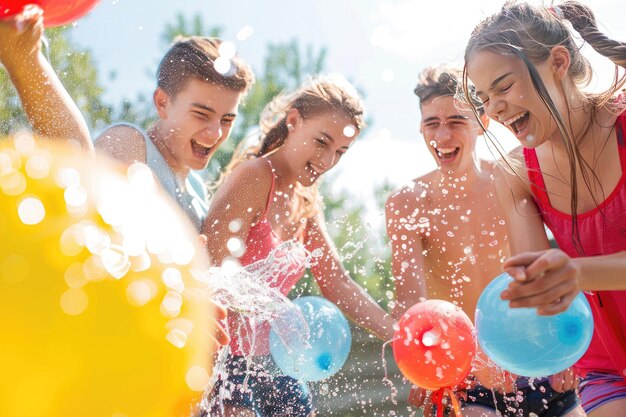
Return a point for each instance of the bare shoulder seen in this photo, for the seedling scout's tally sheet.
(256, 172)
(513, 166)
(122, 142)
(511, 176)
(412, 197)
(247, 185)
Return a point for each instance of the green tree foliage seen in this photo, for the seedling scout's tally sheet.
(183, 26)
(75, 67)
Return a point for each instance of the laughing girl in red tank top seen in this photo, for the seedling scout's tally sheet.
(269, 196)
(528, 71)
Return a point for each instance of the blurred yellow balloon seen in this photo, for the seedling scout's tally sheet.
(100, 313)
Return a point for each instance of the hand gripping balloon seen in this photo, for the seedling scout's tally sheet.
(55, 12)
(520, 341)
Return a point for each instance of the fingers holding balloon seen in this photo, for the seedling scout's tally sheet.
(550, 292)
(525, 343)
(516, 265)
(21, 35)
(56, 13)
(558, 306)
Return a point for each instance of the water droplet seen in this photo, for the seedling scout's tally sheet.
(171, 304)
(140, 177)
(222, 65)
(37, 166)
(244, 33)
(430, 338)
(349, 131)
(197, 378)
(31, 211)
(139, 293)
(74, 301)
(227, 50)
(177, 338)
(115, 261)
(173, 279)
(234, 226)
(24, 142)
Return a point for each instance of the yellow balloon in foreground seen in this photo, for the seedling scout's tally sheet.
(100, 314)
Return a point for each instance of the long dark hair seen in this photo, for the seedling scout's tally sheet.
(530, 32)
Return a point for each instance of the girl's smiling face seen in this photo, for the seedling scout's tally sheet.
(316, 144)
(504, 85)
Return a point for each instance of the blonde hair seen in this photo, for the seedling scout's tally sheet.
(322, 94)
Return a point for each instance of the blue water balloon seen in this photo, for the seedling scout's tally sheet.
(520, 341)
(326, 349)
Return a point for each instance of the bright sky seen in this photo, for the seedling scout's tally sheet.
(381, 46)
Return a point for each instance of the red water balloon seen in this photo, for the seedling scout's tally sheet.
(55, 12)
(435, 344)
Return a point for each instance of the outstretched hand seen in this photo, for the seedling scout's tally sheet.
(547, 280)
(21, 36)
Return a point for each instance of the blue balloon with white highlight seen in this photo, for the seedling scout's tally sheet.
(326, 347)
(525, 343)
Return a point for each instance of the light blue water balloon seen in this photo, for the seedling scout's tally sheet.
(326, 349)
(520, 341)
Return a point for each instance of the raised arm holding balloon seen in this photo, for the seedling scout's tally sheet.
(48, 106)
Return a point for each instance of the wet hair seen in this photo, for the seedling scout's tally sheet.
(441, 81)
(321, 95)
(194, 58)
(529, 32)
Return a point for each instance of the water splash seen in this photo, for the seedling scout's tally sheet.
(253, 293)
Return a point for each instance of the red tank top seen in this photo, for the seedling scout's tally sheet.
(602, 232)
(261, 241)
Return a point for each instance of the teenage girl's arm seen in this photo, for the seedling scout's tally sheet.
(337, 286)
(407, 261)
(238, 203)
(523, 221)
(548, 279)
(527, 237)
(49, 107)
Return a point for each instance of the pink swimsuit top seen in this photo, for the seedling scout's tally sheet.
(602, 232)
(261, 241)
